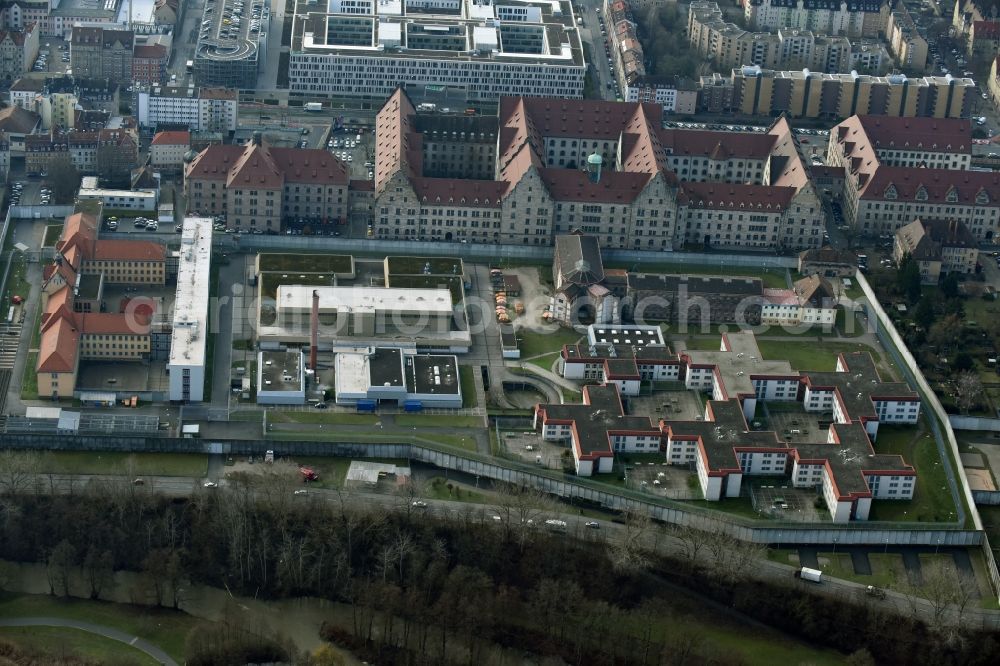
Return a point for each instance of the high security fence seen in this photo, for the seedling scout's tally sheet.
(566, 486)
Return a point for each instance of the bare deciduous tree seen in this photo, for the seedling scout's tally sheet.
(968, 390)
(17, 471)
(629, 553)
(98, 567)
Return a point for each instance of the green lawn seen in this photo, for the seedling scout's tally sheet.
(16, 284)
(368, 435)
(52, 232)
(321, 416)
(58, 642)
(438, 489)
(570, 396)
(536, 343)
(399, 265)
(29, 380)
(164, 628)
(810, 354)
(332, 471)
(888, 570)
(857, 326)
(438, 420)
(738, 506)
(113, 462)
(702, 344)
(931, 499)
(544, 362)
(467, 380)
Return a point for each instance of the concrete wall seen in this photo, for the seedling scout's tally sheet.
(973, 423)
(562, 485)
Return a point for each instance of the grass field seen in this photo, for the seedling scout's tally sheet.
(149, 464)
(810, 354)
(702, 344)
(888, 570)
(544, 362)
(932, 501)
(59, 642)
(536, 343)
(438, 420)
(29, 380)
(467, 380)
(438, 489)
(321, 416)
(52, 232)
(332, 471)
(163, 628)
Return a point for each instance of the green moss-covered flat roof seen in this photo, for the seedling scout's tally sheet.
(425, 266)
(341, 264)
(90, 286)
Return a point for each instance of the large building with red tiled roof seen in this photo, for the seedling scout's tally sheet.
(72, 326)
(256, 186)
(901, 169)
(609, 169)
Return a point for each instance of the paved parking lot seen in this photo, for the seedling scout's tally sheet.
(776, 498)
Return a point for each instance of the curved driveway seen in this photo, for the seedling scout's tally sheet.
(107, 632)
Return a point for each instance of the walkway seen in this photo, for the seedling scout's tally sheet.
(107, 632)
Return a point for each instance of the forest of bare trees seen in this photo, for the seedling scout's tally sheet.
(423, 589)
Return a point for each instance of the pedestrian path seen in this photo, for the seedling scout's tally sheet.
(156, 653)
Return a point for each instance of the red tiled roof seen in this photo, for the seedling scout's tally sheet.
(312, 166)
(215, 162)
(150, 51)
(613, 187)
(171, 139)
(944, 135)
(472, 193)
(362, 185)
(719, 145)
(128, 250)
(79, 231)
(111, 323)
(57, 349)
(935, 182)
(735, 196)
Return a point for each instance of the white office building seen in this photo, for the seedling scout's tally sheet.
(140, 200)
(362, 48)
(190, 324)
(201, 109)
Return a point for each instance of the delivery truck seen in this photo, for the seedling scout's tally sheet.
(313, 106)
(812, 575)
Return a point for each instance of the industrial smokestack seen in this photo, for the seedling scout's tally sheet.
(314, 331)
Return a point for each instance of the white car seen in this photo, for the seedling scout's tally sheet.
(593, 524)
(301, 492)
(210, 484)
(418, 504)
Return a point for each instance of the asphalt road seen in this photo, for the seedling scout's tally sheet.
(107, 632)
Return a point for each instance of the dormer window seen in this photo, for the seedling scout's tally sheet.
(982, 198)
(890, 192)
(921, 194)
(952, 195)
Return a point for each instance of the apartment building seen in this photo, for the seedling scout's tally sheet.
(71, 334)
(908, 46)
(728, 46)
(113, 153)
(673, 94)
(921, 174)
(606, 169)
(167, 150)
(17, 15)
(805, 94)
(983, 40)
(811, 300)
(365, 48)
(256, 185)
(102, 53)
(851, 18)
(201, 109)
(18, 50)
(938, 246)
(149, 64)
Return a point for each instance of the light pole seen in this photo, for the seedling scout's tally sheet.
(937, 547)
(886, 551)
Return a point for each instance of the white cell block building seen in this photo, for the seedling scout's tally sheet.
(186, 366)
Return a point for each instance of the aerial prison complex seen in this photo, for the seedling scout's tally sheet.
(721, 445)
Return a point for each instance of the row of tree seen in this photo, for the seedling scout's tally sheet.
(427, 590)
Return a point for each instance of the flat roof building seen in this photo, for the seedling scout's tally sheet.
(231, 43)
(190, 325)
(364, 48)
(281, 378)
(395, 376)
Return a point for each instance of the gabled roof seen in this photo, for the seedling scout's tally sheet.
(943, 135)
(128, 250)
(57, 349)
(16, 120)
(578, 258)
(171, 139)
(815, 291)
(829, 255)
(760, 198)
(932, 185)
